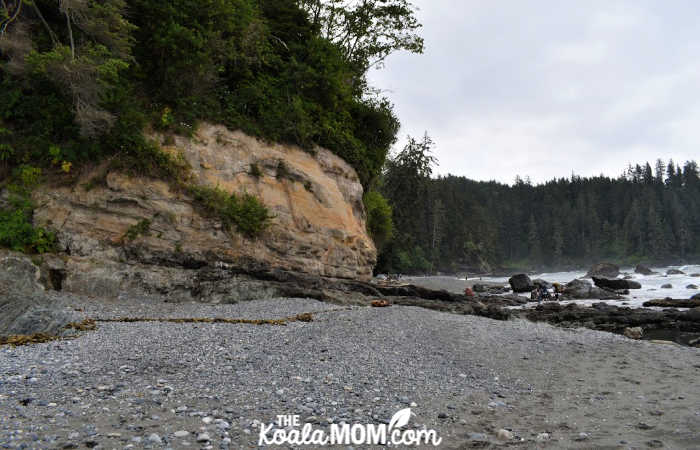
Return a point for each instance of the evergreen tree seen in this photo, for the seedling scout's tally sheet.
(534, 244)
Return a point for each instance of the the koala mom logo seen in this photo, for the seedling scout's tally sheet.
(288, 431)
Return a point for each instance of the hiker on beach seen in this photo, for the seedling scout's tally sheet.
(541, 293)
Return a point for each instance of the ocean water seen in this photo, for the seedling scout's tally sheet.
(651, 284)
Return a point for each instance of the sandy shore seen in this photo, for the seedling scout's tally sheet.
(138, 384)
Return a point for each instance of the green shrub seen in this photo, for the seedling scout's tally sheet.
(246, 213)
(142, 228)
(17, 231)
(145, 158)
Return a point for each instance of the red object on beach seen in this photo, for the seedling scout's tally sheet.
(380, 303)
(468, 292)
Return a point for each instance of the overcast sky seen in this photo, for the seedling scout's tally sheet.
(547, 87)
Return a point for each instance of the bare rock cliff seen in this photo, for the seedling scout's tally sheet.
(318, 228)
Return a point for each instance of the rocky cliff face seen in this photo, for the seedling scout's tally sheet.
(318, 228)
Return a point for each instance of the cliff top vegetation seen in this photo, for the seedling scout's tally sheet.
(80, 80)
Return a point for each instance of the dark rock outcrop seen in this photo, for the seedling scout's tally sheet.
(604, 317)
(606, 270)
(694, 314)
(667, 286)
(644, 270)
(675, 272)
(692, 286)
(616, 284)
(521, 283)
(283, 283)
(695, 297)
(674, 303)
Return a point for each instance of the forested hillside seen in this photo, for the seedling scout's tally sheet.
(81, 80)
(452, 223)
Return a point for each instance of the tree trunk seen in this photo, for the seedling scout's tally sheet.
(70, 35)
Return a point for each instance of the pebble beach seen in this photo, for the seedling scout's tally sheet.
(479, 383)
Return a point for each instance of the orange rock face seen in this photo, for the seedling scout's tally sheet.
(316, 199)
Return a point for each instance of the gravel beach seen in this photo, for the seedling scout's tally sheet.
(472, 379)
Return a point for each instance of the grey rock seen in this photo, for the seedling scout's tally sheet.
(674, 272)
(581, 437)
(18, 274)
(644, 270)
(606, 270)
(584, 289)
(504, 434)
(634, 332)
(615, 283)
(543, 283)
(25, 308)
(667, 286)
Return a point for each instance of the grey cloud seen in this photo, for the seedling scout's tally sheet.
(544, 88)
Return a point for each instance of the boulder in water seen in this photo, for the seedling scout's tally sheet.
(692, 286)
(584, 289)
(616, 284)
(667, 286)
(644, 270)
(606, 270)
(674, 272)
(521, 283)
(695, 275)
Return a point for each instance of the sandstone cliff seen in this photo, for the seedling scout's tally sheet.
(316, 198)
